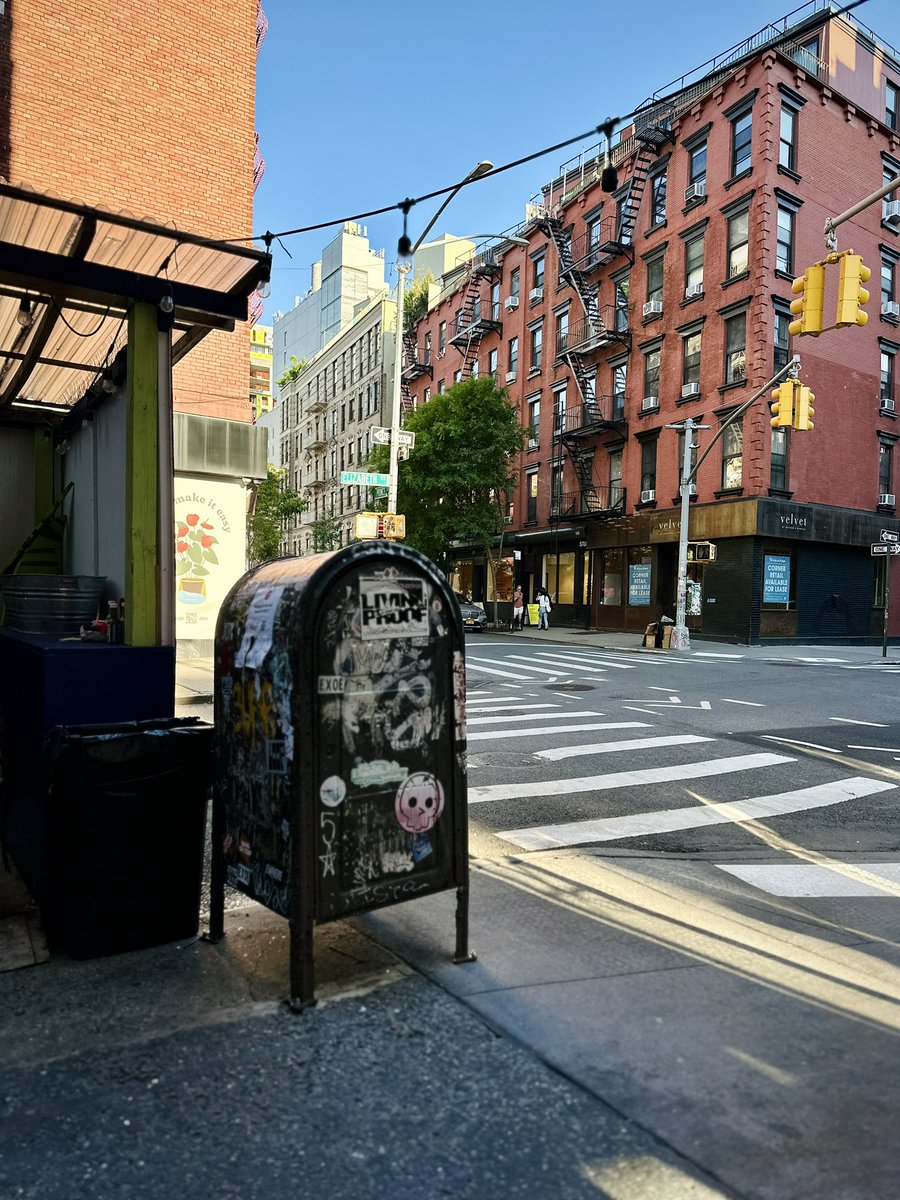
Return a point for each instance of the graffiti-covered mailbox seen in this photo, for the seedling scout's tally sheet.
(340, 742)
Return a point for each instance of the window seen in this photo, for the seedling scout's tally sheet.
(778, 467)
(888, 267)
(556, 490)
(440, 387)
(534, 422)
(531, 495)
(891, 96)
(697, 164)
(784, 241)
(693, 264)
(783, 320)
(648, 466)
(537, 337)
(457, 376)
(562, 332)
(514, 283)
(476, 310)
(658, 198)
(736, 348)
(492, 362)
(593, 226)
(495, 301)
(690, 358)
(442, 338)
(732, 456)
(619, 379)
(537, 278)
(738, 243)
(559, 411)
(741, 137)
(787, 138)
(655, 279)
(513, 356)
(622, 288)
(615, 476)
(623, 212)
(807, 55)
(651, 372)
(459, 319)
(885, 454)
(887, 375)
(476, 369)
(428, 349)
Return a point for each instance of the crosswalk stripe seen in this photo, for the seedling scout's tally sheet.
(576, 665)
(601, 783)
(535, 717)
(610, 829)
(506, 703)
(646, 660)
(537, 670)
(493, 670)
(645, 743)
(819, 879)
(483, 735)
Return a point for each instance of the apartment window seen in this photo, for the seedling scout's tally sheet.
(888, 174)
(593, 226)
(562, 332)
(513, 356)
(476, 370)
(784, 240)
(426, 395)
(887, 374)
(648, 465)
(623, 212)
(622, 288)
(658, 198)
(619, 379)
(495, 301)
(537, 276)
(351, 404)
(457, 376)
(690, 357)
(514, 283)
(697, 164)
(428, 349)
(559, 411)
(778, 475)
(891, 95)
(888, 280)
(736, 348)
(787, 138)
(732, 456)
(885, 464)
(531, 497)
(442, 338)
(655, 279)
(693, 264)
(783, 320)
(556, 489)
(738, 243)
(741, 137)
(537, 337)
(651, 372)
(492, 362)
(459, 319)
(476, 310)
(440, 387)
(534, 422)
(807, 55)
(615, 476)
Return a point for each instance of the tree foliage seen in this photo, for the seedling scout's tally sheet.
(453, 486)
(326, 533)
(415, 302)
(275, 503)
(294, 371)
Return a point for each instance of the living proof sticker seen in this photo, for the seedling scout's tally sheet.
(392, 608)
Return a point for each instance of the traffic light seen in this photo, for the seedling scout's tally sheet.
(803, 409)
(851, 293)
(394, 526)
(810, 290)
(783, 405)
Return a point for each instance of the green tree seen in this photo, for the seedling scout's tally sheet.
(453, 487)
(294, 371)
(275, 503)
(326, 533)
(415, 302)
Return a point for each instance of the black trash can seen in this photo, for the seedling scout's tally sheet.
(127, 821)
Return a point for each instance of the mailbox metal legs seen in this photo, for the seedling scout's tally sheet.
(217, 873)
(463, 954)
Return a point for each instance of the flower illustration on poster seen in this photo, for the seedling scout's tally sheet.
(195, 554)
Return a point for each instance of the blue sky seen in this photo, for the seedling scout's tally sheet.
(360, 106)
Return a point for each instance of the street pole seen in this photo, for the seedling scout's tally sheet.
(681, 638)
(887, 591)
(396, 399)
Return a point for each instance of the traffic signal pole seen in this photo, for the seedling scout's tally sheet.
(833, 222)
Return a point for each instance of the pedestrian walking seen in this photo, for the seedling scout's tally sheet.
(518, 608)
(544, 608)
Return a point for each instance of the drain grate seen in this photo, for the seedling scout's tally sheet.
(569, 687)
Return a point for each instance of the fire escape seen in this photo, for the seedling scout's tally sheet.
(414, 365)
(259, 163)
(478, 316)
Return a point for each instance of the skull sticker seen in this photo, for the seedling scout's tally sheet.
(419, 802)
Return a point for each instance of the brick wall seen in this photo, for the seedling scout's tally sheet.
(147, 108)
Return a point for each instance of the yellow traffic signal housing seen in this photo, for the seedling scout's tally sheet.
(394, 526)
(810, 290)
(783, 405)
(803, 409)
(367, 525)
(851, 293)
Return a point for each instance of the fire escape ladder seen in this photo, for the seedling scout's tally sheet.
(581, 378)
(652, 138)
(471, 315)
(586, 294)
(583, 462)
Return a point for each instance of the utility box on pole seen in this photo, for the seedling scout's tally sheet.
(340, 752)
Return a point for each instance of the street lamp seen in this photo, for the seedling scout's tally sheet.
(407, 251)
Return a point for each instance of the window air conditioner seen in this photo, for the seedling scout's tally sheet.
(693, 289)
(890, 308)
(532, 443)
(647, 495)
(536, 294)
(690, 389)
(649, 403)
(510, 376)
(510, 303)
(887, 404)
(696, 191)
(653, 308)
(508, 520)
(887, 499)
(691, 489)
(890, 214)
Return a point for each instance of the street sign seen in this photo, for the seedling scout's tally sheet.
(885, 548)
(365, 479)
(382, 437)
(890, 535)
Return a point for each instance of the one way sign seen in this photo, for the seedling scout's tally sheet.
(890, 535)
(885, 548)
(382, 437)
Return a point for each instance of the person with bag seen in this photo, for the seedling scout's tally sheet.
(518, 607)
(544, 608)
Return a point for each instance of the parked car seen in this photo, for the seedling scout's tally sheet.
(473, 617)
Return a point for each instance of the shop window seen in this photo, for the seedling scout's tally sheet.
(504, 580)
(612, 563)
(639, 572)
(559, 571)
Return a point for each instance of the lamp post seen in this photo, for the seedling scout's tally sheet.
(403, 268)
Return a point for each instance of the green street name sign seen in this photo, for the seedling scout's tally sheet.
(365, 479)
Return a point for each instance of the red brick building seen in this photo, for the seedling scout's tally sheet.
(670, 298)
(142, 108)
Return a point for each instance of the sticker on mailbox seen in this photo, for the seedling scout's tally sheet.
(332, 685)
(393, 608)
